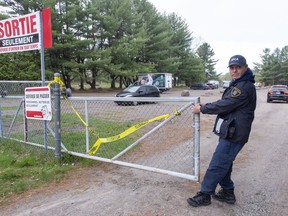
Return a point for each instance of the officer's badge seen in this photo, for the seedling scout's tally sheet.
(235, 92)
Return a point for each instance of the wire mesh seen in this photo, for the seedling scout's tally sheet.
(158, 132)
(169, 147)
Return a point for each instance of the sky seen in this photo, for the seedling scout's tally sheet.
(231, 27)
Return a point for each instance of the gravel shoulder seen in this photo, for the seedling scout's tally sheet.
(260, 177)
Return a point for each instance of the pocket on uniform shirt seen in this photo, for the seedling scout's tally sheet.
(224, 128)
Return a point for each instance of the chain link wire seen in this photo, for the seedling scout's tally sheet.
(165, 143)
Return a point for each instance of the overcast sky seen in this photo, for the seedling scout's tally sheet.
(231, 27)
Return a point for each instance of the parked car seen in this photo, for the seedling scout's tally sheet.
(277, 92)
(138, 91)
(200, 86)
(215, 83)
(212, 86)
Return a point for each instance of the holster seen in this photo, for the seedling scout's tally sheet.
(224, 128)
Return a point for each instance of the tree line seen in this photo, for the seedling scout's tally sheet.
(274, 67)
(115, 41)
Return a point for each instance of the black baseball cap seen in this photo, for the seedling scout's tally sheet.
(237, 60)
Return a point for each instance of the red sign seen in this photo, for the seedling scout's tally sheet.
(23, 33)
(38, 103)
(47, 27)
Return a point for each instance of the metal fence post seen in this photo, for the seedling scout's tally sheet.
(57, 108)
(1, 130)
(196, 156)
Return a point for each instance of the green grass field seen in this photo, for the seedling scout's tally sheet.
(23, 168)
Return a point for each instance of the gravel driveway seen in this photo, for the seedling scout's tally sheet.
(260, 177)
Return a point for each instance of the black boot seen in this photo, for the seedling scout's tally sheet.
(227, 196)
(200, 199)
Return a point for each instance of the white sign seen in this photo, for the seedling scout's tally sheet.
(19, 34)
(38, 103)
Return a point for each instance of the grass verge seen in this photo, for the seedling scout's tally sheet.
(23, 168)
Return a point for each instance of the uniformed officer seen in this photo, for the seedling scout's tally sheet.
(235, 114)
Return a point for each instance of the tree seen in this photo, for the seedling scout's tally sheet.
(118, 31)
(69, 51)
(14, 66)
(206, 53)
(274, 66)
(191, 70)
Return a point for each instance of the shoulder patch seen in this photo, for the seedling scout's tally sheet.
(236, 92)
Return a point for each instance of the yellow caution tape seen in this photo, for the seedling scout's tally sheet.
(81, 119)
(176, 112)
(127, 132)
(58, 81)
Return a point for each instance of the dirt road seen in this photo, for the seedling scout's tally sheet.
(260, 175)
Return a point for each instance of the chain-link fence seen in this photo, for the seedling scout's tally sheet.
(8, 88)
(14, 125)
(159, 134)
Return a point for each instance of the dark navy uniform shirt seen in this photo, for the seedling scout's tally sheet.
(238, 102)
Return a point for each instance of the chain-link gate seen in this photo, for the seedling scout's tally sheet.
(159, 134)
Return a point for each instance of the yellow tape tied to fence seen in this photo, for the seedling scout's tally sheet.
(58, 81)
(127, 132)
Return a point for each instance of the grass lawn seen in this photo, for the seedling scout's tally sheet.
(25, 167)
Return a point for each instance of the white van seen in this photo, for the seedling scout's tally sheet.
(162, 80)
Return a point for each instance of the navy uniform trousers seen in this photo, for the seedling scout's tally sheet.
(220, 167)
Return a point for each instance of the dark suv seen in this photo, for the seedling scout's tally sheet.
(138, 91)
(200, 86)
(277, 92)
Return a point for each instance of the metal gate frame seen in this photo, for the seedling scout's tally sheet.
(60, 147)
(195, 175)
